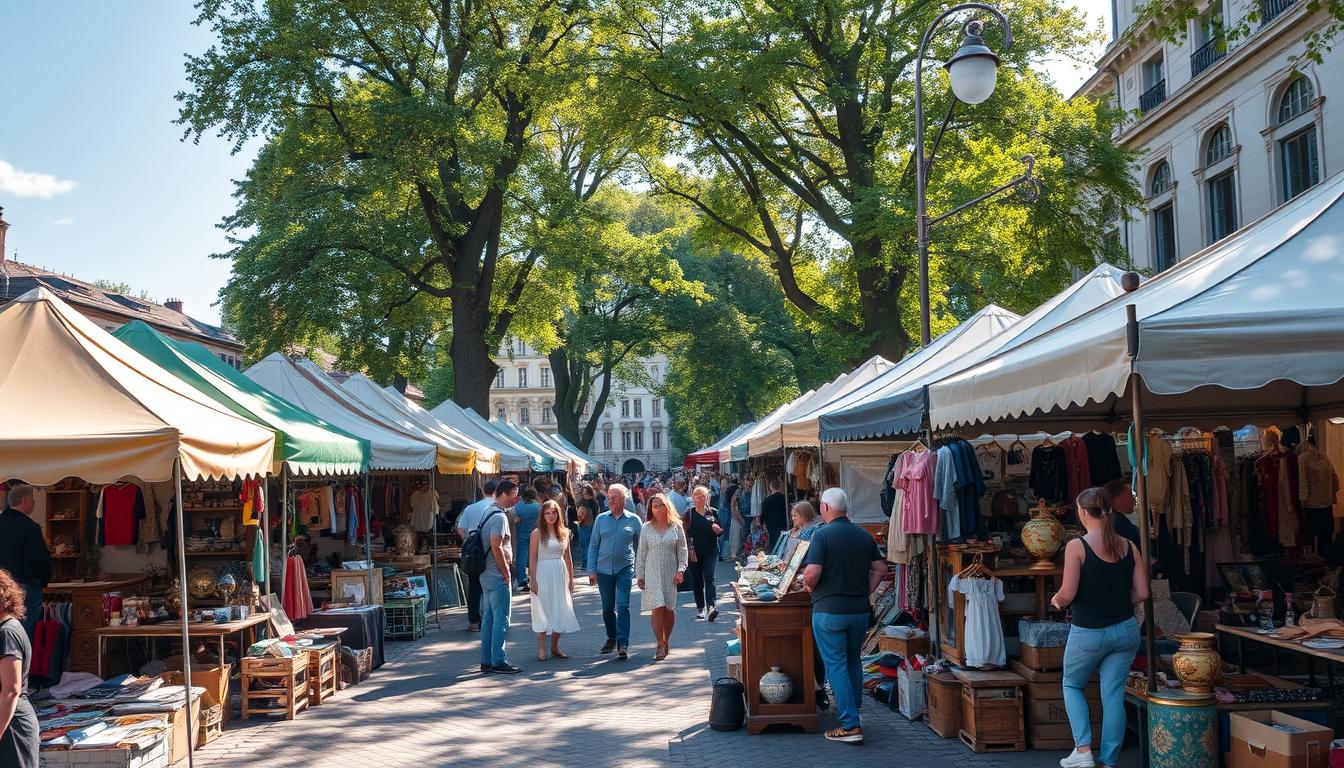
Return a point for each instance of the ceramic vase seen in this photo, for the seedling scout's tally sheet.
(1043, 536)
(1197, 662)
(405, 542)
(775, 686)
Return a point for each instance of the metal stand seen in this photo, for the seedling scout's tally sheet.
(182, 588)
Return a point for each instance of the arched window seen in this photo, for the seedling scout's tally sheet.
(545, 413)
(1296, 99)
(499, 413)
(1161, 179)
(1219, 146)
(524, 415)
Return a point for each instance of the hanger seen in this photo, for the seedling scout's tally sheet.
(1048, 442)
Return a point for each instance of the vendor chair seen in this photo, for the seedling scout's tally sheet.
(1188, 603)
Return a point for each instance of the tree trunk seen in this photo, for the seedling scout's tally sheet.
(880, 304)
(473, 360)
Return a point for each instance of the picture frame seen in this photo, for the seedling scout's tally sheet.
(275, 612)
(419, 586)
(795, 563)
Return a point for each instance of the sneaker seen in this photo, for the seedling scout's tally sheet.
(506, 669)
(487, 668)
(609, 646)
(621, 652)
(1078, 759)
(848, 735)
(713, 614)
(700, 615)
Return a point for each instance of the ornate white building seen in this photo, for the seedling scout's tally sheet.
(1228, 130)
(632, 432)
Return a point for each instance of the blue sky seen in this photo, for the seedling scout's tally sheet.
(94, 178)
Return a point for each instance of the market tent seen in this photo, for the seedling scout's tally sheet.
(737, 449)
(421, 424)
(550, 455)
(574, 457)
(304, 443)
(900, 409)
(309, 388)
(1250, 327)
(566, 445)
(834, 423)
(710, 455)
(800, 425)
(76, 402)
(513, 455)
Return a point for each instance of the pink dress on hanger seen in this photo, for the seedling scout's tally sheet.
(915, 477)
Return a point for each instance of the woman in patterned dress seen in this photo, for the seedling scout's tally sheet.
(659, 563)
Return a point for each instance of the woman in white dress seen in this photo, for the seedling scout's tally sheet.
(659, 563)
(552, 583)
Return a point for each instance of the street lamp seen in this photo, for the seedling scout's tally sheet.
(973, 71)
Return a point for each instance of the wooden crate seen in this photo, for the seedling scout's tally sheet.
(280, 685)
(372, 578)
(944, 705)
(323, 671)
(211, 725)
(1043, 659)
(1054, 736)
(991, 711)
(903, 647)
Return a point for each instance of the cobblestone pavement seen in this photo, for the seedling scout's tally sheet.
(429, 706)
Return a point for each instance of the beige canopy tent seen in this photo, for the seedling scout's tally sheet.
(77, 402)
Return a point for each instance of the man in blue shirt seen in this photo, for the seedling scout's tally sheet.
(678, 497)
(496, 597)
(843, 569)
(525, 516)
(611, 566)
(466, 522)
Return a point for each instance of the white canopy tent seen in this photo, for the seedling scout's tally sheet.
(737, 449)
(305, 385)
(415, 420)
(513, 455)
(1252, 328)
(794, 426)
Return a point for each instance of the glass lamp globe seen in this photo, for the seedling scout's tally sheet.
(974, 69)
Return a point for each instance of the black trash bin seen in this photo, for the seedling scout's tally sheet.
(728, 708)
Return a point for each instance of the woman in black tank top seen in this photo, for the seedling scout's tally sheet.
(1103, 580)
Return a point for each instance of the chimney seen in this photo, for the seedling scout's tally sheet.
(4, 225)
(175, 305)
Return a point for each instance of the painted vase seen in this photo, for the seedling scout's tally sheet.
(1197, 662)
(775, 686)
(405, 543)
(1042, 537)
(1182, 731)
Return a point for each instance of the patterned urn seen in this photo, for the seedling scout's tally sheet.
(1197, 662)
(776, 687)
(405, 541)
(1042, 536)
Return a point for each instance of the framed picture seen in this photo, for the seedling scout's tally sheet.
(419, 586)
(275, 611)
(795, 564)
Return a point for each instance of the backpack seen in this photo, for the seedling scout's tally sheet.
(474, 550)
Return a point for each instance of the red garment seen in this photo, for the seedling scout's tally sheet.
(45, 634)
(298, 600)
(1076, 467)
(123, 509)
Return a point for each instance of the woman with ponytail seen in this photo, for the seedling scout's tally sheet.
(1104, 578)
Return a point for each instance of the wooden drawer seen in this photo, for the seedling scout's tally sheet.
(86, 611)
(84, 651)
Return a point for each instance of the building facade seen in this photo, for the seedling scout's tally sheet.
(111, 310)
(632, 432)
(1228, 130)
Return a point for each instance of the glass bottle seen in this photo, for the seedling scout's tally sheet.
(1289, 615)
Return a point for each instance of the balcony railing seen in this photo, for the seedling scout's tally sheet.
(1207, 54)
(1153, 96)
(1270, 9)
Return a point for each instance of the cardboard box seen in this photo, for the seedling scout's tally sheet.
(912, 693)
(1256, 743)
(735, 667)
(153, 756)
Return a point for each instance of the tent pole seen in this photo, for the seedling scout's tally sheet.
(284, 531)
(368, 520)
(1139, 445)
(265, 575)
(182, 587)
(434, 553)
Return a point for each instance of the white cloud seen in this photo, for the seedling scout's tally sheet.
(29, 184)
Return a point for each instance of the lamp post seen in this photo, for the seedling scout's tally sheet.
(973, 71)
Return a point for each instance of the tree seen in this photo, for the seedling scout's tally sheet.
(122, 287)
(793, 122)
(439, 98)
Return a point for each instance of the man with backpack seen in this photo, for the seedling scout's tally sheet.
(492, 535)
(471, 517)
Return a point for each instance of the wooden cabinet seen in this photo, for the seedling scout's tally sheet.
(778, 634)
(86, 613)
(67, 512)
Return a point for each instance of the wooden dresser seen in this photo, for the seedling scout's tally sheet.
(86, 613)
(778, 634)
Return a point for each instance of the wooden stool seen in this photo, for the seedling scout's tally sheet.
(211, 726)
(324, 671)
(290, 697)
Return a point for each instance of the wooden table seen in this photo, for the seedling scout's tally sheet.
(172, 629)
(1242, 634)
(778, 634)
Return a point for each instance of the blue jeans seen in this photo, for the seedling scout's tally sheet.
(839, 639)
(495, 605)
(1112, 651)
(585, 536)
(520, 562)
(615, 591)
